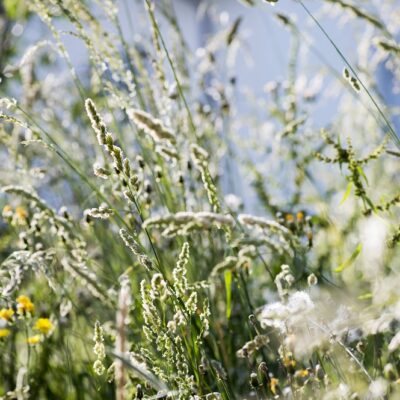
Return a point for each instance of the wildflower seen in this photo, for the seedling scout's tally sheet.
(33, 340)
(6, 314)
(301, 376)
(289, 362)
(289, 218)
(300, 216)
(25, 305)
(4, 332)
(44, 325)
(274, 386)
(21, 214)
(7, 211)
(303, 373)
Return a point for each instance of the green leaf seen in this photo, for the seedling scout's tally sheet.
(347, 193)
(228, 289)
(362, 173)
(350, 260)
(369, 202)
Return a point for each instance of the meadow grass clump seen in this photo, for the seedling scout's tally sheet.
(166, 233)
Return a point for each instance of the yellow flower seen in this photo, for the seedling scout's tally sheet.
(33, 340)
(7, 211)
(4, 333)
(21, 214)
(274, 386)
(6, 314)
(303, 373)
(289, 362)
(25, 305)
(44, 325)
(301, 376)
(289, 218)
(300, 216)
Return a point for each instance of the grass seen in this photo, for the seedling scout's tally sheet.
(135, 265)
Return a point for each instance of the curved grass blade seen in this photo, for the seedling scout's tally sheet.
(392, 132)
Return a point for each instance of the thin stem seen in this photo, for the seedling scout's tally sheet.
(392, 132)
(178, 83)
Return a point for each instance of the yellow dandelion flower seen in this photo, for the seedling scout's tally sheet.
(44, 325)
(6, 314)
(33, 340)
(4, 333)
(25, 305)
